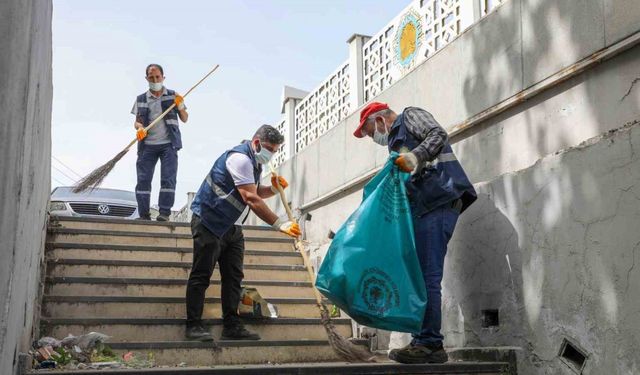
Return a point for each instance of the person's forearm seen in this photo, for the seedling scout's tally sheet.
(184, 116)
(137, 125)
(260, 208)
(265, 192)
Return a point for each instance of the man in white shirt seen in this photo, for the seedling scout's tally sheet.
(233, 184)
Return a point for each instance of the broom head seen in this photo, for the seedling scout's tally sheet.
(95, 178)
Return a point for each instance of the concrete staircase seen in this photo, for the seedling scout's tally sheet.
(127, 279)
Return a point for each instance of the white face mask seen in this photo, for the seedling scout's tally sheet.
(155, 86)
(381, 138)
(264, 156)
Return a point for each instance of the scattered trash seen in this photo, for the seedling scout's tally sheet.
(74, 352)
(101, 365)
(252, 305)
(49, 341)
(48, 364)
(334, 312)
(128, 356)
(182, 364)
(85, 342)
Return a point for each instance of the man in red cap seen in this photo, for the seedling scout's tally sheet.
(438, 191)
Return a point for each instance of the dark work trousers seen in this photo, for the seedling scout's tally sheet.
(148, 156)
(208, 250)
(432, 233)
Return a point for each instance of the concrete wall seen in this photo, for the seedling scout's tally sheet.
(553, 247)
(563, 215)
(25, 160)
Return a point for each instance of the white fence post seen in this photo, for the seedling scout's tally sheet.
(290, 98)
(356, 76)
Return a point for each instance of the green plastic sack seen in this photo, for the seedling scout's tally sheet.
(371, 270)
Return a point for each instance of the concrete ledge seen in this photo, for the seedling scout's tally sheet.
(146, 281)
(504, 354)
(330, 368)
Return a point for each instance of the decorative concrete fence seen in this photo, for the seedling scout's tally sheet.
(375, 63)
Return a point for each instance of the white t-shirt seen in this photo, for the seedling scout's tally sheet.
(241, 170)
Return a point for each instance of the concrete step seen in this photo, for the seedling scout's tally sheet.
(155, 269)
(326, 368)
(142, 287)
(158, 253)
(232, 352)
(115, 306)
(91, 236)
(145, 329)
(148, 226)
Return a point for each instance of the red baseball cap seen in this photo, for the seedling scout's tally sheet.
(367, 111)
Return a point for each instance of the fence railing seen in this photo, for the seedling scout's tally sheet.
(375, 63)
(323, 108)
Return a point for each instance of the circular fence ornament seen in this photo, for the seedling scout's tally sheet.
(407, 41)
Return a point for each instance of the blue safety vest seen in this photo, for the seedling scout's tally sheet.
(171, 119)
(218, 201)
(439, 182)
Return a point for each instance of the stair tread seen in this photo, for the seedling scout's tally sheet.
(167, 321)
(72, 245)
(219, 343)
(142, 222)
(321, 368)
(75, 299)
(165, 281)
(151, 263)
(101, 232)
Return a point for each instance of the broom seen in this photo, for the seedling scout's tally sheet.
(95, 178)
(345, 349)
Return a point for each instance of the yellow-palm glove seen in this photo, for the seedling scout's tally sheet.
(274, 183)
(141, 134)
(179, 100)
(290, 228)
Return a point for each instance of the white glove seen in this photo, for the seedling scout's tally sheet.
(407, 162)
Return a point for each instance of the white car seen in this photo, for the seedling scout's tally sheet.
(99, 202)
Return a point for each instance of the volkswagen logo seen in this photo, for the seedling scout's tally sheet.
(103, 209)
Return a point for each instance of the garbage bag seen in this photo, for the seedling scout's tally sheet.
(371, 270)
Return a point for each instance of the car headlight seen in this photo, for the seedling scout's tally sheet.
(57, 206)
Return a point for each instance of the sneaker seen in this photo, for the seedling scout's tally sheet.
(411, 354)
(162, 218)
(238, 332)
(198, 333)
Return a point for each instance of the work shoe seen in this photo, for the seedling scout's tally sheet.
(198, 333)
(162, 218)
(238, 332)
(428, 353)
(143, 217)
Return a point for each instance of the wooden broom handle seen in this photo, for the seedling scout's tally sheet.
(298, 243)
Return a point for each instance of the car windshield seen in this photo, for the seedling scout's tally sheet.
(67, 192)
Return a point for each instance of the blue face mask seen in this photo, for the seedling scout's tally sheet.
(263, 156)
